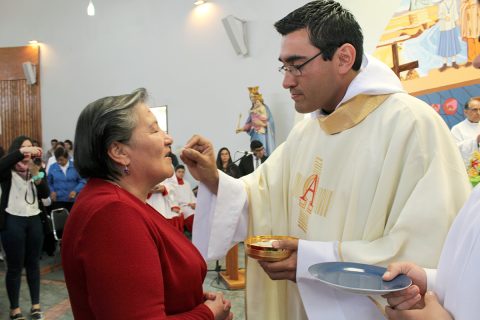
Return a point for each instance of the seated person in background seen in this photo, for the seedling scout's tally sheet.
(69, 148)
(117, 251)
(251, 162)
(467, 132)
(225, 163)
(52, 159)
(184, 196)
(49, 153)
(64, 181)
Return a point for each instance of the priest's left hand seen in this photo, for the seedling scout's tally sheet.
(433, 310)
(285, 269)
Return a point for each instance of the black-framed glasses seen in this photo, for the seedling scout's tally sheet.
(473, 109)
(296, 69)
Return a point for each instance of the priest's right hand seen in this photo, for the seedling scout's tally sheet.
(199, 156)
(410, 298)
(219, 306)
(284, 269)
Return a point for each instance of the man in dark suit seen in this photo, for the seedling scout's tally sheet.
(249, 163)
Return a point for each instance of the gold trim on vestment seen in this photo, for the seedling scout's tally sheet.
(340, 253)
(351, 113)
(250, 230)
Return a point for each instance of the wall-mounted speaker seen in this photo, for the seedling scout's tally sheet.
(237, 33)
(29, 72)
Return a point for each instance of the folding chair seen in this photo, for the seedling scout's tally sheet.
(59, 218)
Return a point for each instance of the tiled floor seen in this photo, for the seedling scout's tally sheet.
(54, 296)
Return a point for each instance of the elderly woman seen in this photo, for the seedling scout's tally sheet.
(122, 260)
(23, 186)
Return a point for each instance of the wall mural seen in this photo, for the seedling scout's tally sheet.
(430, 45)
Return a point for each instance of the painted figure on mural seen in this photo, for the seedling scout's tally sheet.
(449, 43)
(470, 28)
(259, 124)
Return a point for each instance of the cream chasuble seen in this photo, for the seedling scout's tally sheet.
(378, 180)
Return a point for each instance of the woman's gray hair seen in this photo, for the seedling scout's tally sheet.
(101, 123)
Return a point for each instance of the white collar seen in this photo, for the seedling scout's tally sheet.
(374, 78)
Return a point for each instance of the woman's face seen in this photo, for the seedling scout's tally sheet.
(224, 156)
(62, 161)
(148, 146)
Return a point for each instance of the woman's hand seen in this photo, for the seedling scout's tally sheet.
(33, 152)
(219, 306)
(412, 296)
(33, 168)
(159, 188)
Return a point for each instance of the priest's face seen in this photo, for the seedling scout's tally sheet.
(313, 86)
(473, 111)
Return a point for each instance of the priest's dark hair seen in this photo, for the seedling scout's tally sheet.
(101, 123)
(329, 26)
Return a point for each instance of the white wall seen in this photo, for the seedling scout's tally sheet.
(183, 58)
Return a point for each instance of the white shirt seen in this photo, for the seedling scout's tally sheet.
(19, 191)
(465, 134)
(256, 162)
(50, 161)
(456, 281)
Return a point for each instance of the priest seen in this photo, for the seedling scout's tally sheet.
(455, 282)
(372, 176)
(467, 132)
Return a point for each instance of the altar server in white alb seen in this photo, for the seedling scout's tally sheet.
(372, 177)
(454, 284)
(183, 195)
(467, 132)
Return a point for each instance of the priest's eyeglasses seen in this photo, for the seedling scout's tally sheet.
(296, 69)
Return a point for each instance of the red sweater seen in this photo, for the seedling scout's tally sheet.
(123, 260)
